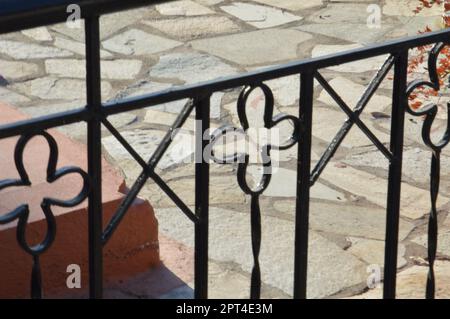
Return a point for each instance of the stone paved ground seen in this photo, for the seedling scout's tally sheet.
(188, 41)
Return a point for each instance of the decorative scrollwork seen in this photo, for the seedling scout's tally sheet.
(243, 160)
(22, 212)
(429, 112)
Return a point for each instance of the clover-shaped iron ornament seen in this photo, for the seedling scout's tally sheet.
(21, 213)
(429, 112)
(243, 160)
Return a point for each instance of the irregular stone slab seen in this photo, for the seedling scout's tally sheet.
(145, 87)
(224, 190)
(76, 130)
(182, 8)
(109, 23)
(407, 7)
(341, 13)
(256, 47)
(113, 70)
(77, 47)
(351, 92)
(286, 90)
(137, 42)
(292, 5)
(411, 283)
(353, 67)
(443, 246)
(284, 181)
(25, 51)
(13, 70)
(358, 33)
(327, 122)
(38, 34)
(165, 114)
(53, 88)
(259, 16)
(145, 143)
(411, 25)
(372, 252)
(330, 268)
(415, 202)
(10, 97)
(346, 220)
(191, 67)
(416, 161)
(190, 28)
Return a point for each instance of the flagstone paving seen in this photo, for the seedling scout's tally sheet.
(188, 41)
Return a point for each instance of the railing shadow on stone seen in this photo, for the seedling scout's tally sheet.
(27, 14)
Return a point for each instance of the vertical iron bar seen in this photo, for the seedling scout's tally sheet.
(395, 174)
(202, 113)
(93, 83)
(303, 185)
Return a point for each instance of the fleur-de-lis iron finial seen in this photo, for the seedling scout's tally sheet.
(22, 212)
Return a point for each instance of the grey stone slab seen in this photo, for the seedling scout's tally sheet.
(120, 69)
(145, 143)
(259, 16)
(190, 28)
(138, 42)
(13, 70)
(292, 5)
(53, 88)
(351, 32)
(330, 268)
(372, 252)
(190, 67)
(26, 51)
(183, 8)
(255, 47)
(12, 97)
(353, 67)
(346, 220)
(284, 184)
(415, 202)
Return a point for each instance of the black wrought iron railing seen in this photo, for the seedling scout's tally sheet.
(20, 14)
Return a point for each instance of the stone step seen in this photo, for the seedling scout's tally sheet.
(133, 249)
